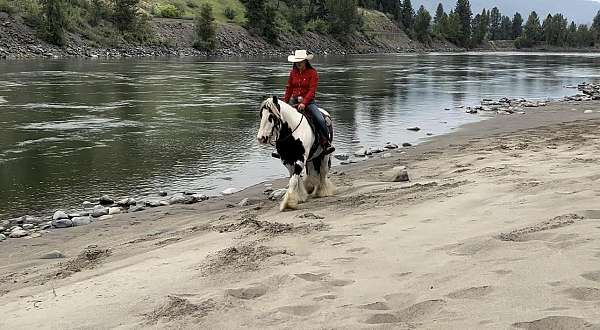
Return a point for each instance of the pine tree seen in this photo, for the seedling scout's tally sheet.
(532, 32)
(126, 13)
(255, 15)
(343, 17)
(547, 29)
(476, 36)
(495, 23)
(55, 21)
(204, 27)
(517, 26)
(572, 35)
(408, 16)
(439, 20)
(596, 27)
(464, 13)
(422, 24)
(585, 38)
(506, 28)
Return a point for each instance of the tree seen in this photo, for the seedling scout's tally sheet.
(55, 21)
(532, 32)
(517, 26)
(506, 28)
(596, 27)
(585, 37)
(126, 14)
(572, 35)
(205, 29)
(495, 23)
(476, 36)
(452, 30)
(343, 17)
(463, 11)
(440, 20)
(422, 24)
(407, 16)
(255, 15)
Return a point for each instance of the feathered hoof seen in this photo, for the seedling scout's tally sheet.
(326, 190)
(290, 202)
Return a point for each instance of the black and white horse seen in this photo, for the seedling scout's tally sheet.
(297, 145)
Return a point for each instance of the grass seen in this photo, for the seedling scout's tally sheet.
(191, 7)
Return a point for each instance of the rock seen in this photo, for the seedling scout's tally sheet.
(378, 150)
(62, 223)
(391, 146)
(46, 225)
(406, 144)
(268, 190)
(125, 202)
(386, 155)
(362, 152)
(244, 202)
(342, 156)
(60, 215)
(397, 174)
(99, 211)
(18, 233)
(415, 129)
(2, 237)
(28, 226)
(105, 217)
(277, 194)
(81, 221)
(136, 208)
(114, 210)
(588, 111)
(162, 193)
(32, 220)
(35, 235)
(177, 199)
(471, 111)
(229, 191)
(74, 215)
(87, 205)
(106, 200)
(52, 255)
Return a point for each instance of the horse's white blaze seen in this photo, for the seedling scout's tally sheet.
(316, 184)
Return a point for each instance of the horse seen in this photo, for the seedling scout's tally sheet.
(290, 132)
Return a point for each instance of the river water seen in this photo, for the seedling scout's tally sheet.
(72, 130)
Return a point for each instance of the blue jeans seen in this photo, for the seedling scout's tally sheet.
(317, 118)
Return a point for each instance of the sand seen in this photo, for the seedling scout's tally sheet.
(499, 228)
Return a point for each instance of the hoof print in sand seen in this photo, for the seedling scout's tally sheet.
(382, 318)
(556, 323)
(471, 293)
(592, 276)
(376, 306)
(310, 277)
(584, 294)
(302, 310)
(248, 293)
(414, 313)
(340, 282)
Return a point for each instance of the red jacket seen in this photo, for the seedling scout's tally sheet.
(302, 84)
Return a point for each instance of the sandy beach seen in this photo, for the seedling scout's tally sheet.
(498, 228)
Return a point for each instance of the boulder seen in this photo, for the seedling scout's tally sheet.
(106, 200)
(18, 233)
(60, 215)
(342, 156)
(52, 255)
(81, 221)
(397, 174)
(2, 237)
(391, 146)
(105, 217)
(99, 211)
(32, 220)
(87, 205)
(136, 208)
(162, 193)
(62, 223)
(114, 210)
(28, 226)
(126, 202)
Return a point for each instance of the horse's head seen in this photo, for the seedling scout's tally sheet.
(270, 117)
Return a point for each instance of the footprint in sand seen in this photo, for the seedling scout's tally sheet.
(556, 323)
(248, 293)
(584, 293)
(310, 277)
(414, 313)
(592, 276)
(340, 282)
(471, 293)
(325, 297)
(300, 310)
(361, 250)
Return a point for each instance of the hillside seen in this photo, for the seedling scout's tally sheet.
(190, 7)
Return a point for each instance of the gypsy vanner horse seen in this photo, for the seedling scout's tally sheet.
(297, 144)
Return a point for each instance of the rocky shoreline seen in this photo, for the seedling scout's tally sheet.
(105, 207)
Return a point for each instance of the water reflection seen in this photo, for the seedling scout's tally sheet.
(75, 129)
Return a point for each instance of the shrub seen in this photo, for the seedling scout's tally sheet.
(229, 13)
(191, 4)
(167, 11)
(204, 27)
(55, 21)
(317, 26)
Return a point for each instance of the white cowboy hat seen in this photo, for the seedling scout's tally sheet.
(299, 56)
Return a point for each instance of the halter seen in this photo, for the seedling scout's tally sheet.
(277, 123)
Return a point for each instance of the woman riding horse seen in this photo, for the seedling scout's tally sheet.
(300, 92)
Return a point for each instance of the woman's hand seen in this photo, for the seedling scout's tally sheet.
(301, 107)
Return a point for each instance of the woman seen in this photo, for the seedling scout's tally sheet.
(300, 92)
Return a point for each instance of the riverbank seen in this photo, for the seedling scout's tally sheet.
(497, 227)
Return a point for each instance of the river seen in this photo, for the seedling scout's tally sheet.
(72, 130)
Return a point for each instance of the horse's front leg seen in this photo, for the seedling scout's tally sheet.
(296, 192)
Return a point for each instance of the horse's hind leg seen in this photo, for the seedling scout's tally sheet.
(296, 192)
(325, 187)
(311, 181)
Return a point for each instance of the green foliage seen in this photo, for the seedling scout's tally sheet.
(55, 21)
(517, 26)
(506, 28)
(167, 10)
(229, 13)
(423, 25)
(464, 16)
(532, 32)
(317, 26)
(495, 22)
(407, 16)
(204, 27)
(343, 18)
(126, 14)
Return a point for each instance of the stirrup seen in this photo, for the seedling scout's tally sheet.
(275, 155)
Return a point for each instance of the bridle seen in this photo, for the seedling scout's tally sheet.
(277, 123)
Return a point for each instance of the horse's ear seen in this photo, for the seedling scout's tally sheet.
(275, 101)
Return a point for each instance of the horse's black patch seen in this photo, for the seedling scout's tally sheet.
(317, 163)
(289, 148)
